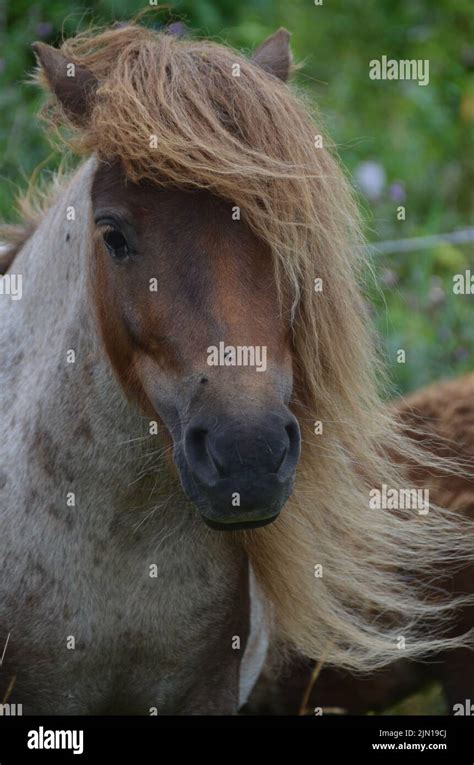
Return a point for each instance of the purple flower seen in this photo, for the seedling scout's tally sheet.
(44, 29)
(397, 192)
(370, 177)
(177, 28)
(461, 354)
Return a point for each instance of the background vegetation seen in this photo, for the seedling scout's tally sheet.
(401, 142)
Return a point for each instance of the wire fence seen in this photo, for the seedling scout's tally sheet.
(392, 246)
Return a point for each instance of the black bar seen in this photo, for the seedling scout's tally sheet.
(109, 739)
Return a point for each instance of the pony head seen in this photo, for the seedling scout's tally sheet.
(187, 303)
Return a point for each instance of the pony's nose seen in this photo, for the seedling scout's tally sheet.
(243, 470)
(224, 452)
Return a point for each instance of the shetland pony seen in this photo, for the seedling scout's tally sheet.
(204, 213)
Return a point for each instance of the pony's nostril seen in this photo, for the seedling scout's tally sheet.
(292, 452)
(217, 462)
(282, 459)
(199, 456)
(197, 438)
(293, 433)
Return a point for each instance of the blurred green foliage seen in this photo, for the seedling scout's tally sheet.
(417, 139)
(428, 702)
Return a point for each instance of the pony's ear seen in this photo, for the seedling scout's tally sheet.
(274, 54)
(74, 86)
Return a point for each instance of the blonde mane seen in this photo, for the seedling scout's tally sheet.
(175, 112)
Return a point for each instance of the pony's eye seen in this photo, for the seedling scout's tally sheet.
(116, 244)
